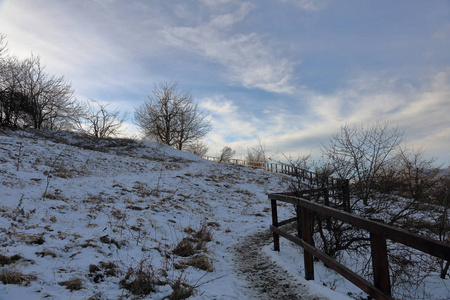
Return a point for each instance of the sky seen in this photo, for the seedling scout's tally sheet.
(288, 73)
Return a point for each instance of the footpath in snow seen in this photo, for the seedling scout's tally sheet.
(83, 218)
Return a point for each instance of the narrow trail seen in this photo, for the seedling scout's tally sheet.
(265, 278)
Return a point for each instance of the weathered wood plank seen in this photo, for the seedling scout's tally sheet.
(356, 279)
(436, 248)
(276, 237)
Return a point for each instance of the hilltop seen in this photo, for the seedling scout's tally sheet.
(85, 218)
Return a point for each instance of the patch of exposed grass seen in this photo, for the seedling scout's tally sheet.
(107, 240)
(5, 260)
(184, 248)
(181, 289)
(46, 253)
(204, 233)
(140, 280)
(12, 276)
(73, 284)
(201, 262)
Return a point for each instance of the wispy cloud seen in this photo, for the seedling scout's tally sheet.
(231, 125)
(248, 59)
(308, 5)
(421, 111)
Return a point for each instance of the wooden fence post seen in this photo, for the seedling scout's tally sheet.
(299, 221)
(307, 237)
(380, 263)
(276, 236)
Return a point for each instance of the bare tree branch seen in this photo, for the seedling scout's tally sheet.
(98, 122)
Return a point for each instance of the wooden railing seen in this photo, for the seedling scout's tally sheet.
(379, 232)
(311, 177)
(338, 188)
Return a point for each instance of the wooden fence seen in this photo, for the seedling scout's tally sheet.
(312, 178)
(379, 232)
(338, 188)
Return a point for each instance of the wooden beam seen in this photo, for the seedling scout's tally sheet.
(276, 237)
(356, 279)
(436, 248)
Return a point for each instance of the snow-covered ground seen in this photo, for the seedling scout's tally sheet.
(83, 218)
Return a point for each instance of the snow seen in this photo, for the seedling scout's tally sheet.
(131, 202)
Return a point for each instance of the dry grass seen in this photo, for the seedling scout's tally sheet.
(201, 262)
(110, 268)
(98, 272)
(45, 253)
(73, 284)
(140, 280)
(12, 276)
(5, 260)
(204, 233)
(107, 240)
(181, 289)
(184, 248)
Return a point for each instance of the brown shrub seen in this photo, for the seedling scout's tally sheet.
(73, 284)
(140, 280)
(12, 276)
(201, 262)
(184, 248)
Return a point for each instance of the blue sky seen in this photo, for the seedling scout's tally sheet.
(286, 72)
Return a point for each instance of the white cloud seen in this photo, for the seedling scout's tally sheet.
(443, 33)
(249, 59)
(216, 2)
(231, 126)
(422, 112)
(308, 5)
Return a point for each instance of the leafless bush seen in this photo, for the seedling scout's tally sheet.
(198, 147)
(361, 153)
(181, 288)
(184, 248)
(204, 233)
(299, 165)
(257, 156)
(98, 122)
(226, 154)
(140, 280)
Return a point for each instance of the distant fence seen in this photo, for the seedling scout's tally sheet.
(379, 232)
(338, 188)
(268, 166)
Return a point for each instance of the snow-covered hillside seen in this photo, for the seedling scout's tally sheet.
(103, 219)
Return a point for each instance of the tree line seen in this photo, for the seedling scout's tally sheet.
(32, 98)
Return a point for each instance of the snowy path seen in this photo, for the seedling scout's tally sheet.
(265, 278)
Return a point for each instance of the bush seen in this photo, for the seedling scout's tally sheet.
(140, 280)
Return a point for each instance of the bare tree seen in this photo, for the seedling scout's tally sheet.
(171, 116)
(417, 174)
(361, 153)
(226, 154)
(198, 147)
(33, 98)
(51, 97)
(257, 156)
(441, 198)
(98, 122)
